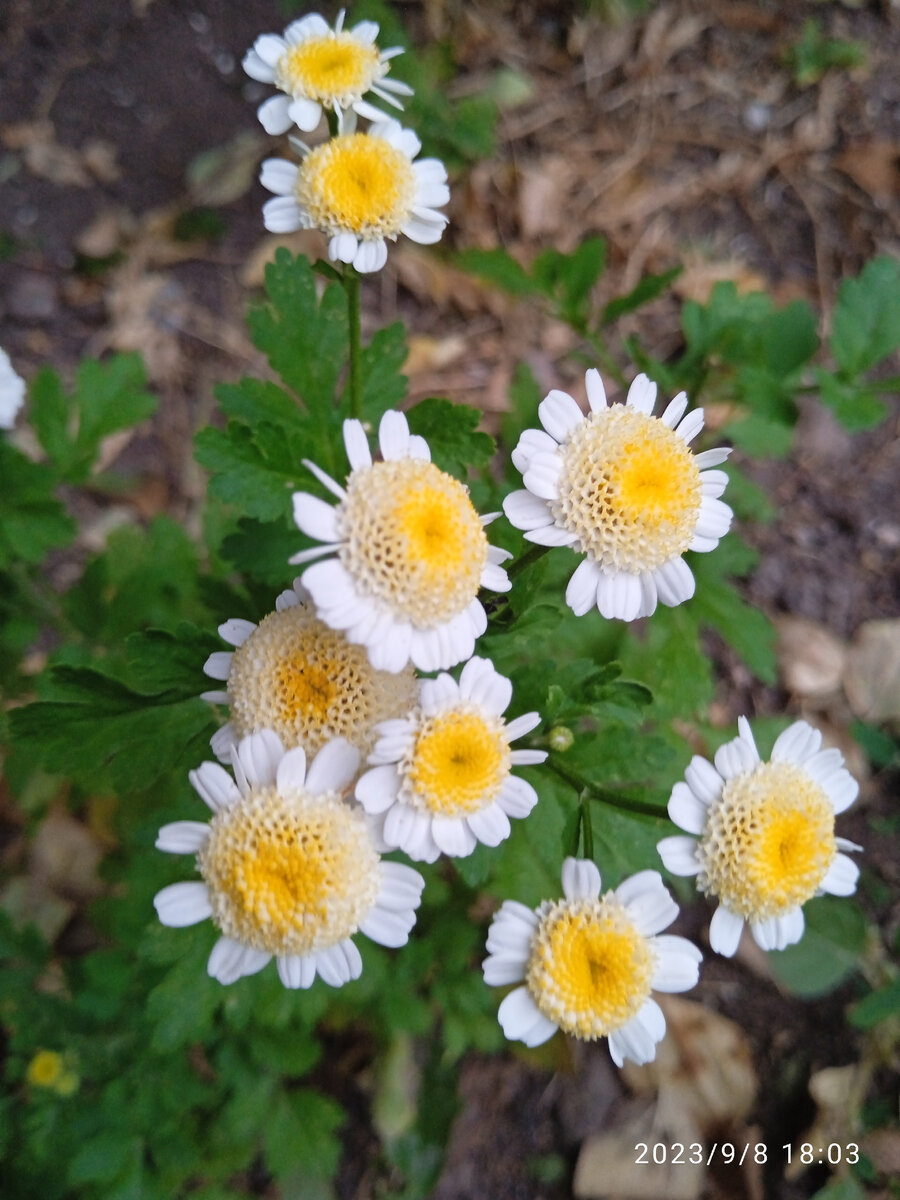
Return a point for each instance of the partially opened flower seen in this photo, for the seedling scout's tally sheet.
(623, 488)
(317, 67)
(407, 553)
(442, 777)
(589, 963)
(290, 869)
(295, 675)
(12, 392)
(763, 839)
(361, 190)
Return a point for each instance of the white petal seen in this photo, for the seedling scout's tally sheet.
(218, 665)
(679, 855)
(401, 887)
(222, 742)
(619, 596)
(328, 584)
(636, 1039)
(522, 1021)
(378, 789)
(305, 113)
(315, 518)
(393, 435)
(410, 831)
(746, 734)
(490, 826)
(714, 518)
(333, 767)
(691, 425)
(735, 758)
(581, 592)
(704, 780)
(484, 686)
(677, 964)
(649, 594)
(256, 758)
(453, 836)
(283, 214)
(596, 393)
(725, 930)
(494, 578)
(531, 442)
(235, 632)
(339, 964)
(686, 810)
(343, 247)
(357, 445)
(512, 930)
(371, 256)
(184, 837)
(214, 785)
(777, 933)
(275, 118)
(559, 414)
(542, 476)
(674, 410)
(269, 47)
(521, 725)
(713, 483)
(647, 902)
(674, 582)
(551, 535)
(580, 879)
(256, 68)
(229, 960)
(500, 970)
(712, 458)
(438, 693)
(797, 743)
(182, 904)
(290, 776)
(527, 511)
(527, 758)
(312, 25)
(386, 927)
(642, 394)
(841, 877)
(425, 233)
(516, 796)
(297, 971)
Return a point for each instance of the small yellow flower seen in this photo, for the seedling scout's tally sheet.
(45, 1069)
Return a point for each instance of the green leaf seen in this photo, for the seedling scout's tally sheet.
(102, 1158)
(254, 469)
(261, 550)
(171, 663)
(299, 1135)
(450, 430)
(878, 1006)
(624, 843)
(759, 436)
(848, 1188)
(856, 405)
(829, 950)
(865, 327)
(646, 290)
(304, 338)
(747, 630)
(569, 279)
(107, 397)
(499, 268)
(32, 520)
(182, 1007)
(383, 386)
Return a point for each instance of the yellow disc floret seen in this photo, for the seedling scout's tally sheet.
(289, 875)
(359, 184)
(457, 763)
(590, 970)
(629, 488)
(412, 540)
(336, 69)
(45, 1069)
(306, 682)
(768, 842)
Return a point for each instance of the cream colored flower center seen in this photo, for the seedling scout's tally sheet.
(358, 184)
(412, 540)
(629, 488)
(336, 69)
(306, 682)
(289, 875)
(590, 970)
(768, 842)
(457, 763)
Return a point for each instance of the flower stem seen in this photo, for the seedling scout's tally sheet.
(586, 828)
(531, 555)
(352, 286)
(604, 795)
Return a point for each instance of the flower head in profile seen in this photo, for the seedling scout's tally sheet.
(361, 190)
(442, 777)
(293, 674)
(762, 834)
(623, 488)
(290, 870)
(12, 392)
(588, 963)
(317, 67)
(406, 551)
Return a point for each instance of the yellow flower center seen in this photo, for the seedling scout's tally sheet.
(457, 763)
(290, 875)
(45, 1069)
(306, 682)
(336, 69)
(358, 184)
(768, 841)
(590, 970)
(413, 540)
(629, 488)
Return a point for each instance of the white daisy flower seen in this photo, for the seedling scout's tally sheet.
(621, 487)
(290, 870)
(589, 963)
(12, 392)
(409, 553)
(303, 680)
(442, 778)
(763, 838)
(361, 190)
(317, 67)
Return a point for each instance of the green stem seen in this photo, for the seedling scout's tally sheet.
(587, 829)
(353, 286)
(604, 795)
(531, 555)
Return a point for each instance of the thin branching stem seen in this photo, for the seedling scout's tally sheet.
(588, 790)
(353, 287)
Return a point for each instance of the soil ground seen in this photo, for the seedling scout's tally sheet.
(681, 137)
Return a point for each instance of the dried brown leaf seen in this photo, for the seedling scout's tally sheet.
(872, 675)
(810, 657)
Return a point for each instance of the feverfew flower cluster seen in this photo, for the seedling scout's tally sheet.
(361, 720)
